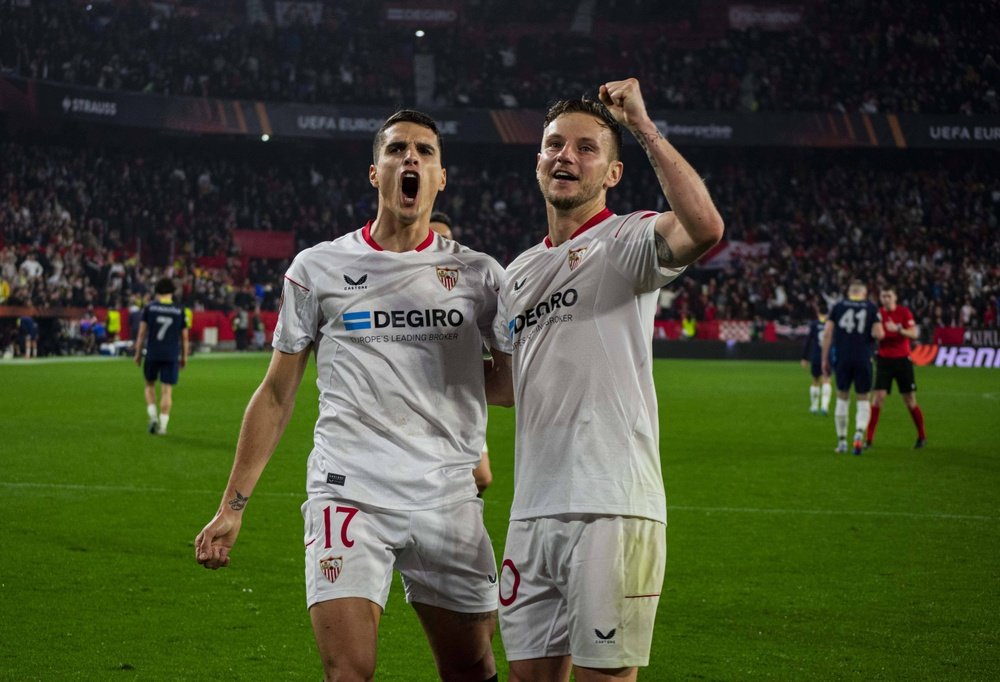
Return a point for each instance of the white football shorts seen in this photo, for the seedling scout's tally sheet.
(582, 585)
(444, 555)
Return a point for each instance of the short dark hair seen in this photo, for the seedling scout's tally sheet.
(441, 217)
(164, 285)
(585, 105)
(404, 116)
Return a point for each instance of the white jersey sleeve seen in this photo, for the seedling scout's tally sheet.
(495, 334)
(633, 251)
(299, 316)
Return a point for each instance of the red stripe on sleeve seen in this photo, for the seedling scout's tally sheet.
(642, 217)
(300, 286)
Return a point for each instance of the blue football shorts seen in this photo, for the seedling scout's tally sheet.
(854, 372)
(166, 372)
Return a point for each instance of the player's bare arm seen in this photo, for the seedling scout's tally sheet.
(878, 331)
(140, 341)
(499, 380)
(827, 342)
(264, 422)
(239, 501)
(185, 348)
(664, 254)
(694, 225)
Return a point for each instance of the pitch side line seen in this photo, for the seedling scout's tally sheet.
(707, 510)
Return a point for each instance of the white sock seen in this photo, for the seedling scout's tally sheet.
(814, 398)
(826, 392)
(840, 418)
(861, 419)
(151, 411)
(164, 418)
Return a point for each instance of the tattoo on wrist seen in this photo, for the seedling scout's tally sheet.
(238, 502)
(664, 254)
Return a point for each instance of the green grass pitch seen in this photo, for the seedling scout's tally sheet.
(786, 561)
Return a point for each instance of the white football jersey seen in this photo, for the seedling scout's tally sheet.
(398, 339)
(580, 319)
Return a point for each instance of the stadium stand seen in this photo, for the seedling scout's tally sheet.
(89, 217)
(838, 55)
(101, 224)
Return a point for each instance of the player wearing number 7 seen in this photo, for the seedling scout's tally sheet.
(163, 335)
(853, 327)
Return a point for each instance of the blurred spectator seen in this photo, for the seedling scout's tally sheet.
(241, 328)
(88, 331)
(846, 55)
(104, 223)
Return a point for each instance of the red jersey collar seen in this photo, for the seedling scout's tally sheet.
(600, 217)
(366, 234)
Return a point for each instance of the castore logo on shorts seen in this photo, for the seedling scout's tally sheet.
(603, 638)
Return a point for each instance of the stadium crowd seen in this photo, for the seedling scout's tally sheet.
(81, 226)
(846, 55)
(85, 224)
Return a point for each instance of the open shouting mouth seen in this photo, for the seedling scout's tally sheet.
(409, 186)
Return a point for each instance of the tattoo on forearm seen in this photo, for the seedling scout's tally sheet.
(646, 141)
(238, 502)
(664, 254)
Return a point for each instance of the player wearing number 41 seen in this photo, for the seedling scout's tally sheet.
(397, 317)
(853, 327)
(163, 335)
(586, 547)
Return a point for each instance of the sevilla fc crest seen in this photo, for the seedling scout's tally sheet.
(576, 257)
(448, 277)
(331, 567)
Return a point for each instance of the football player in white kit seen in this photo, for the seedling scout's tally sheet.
(586, 546)
(397, 317)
